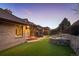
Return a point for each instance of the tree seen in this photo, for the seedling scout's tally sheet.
(63, 25)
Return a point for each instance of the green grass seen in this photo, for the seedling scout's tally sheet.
(40, 48)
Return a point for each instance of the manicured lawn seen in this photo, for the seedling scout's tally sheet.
(40, 48)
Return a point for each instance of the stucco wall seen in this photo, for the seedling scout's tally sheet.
(8, 36)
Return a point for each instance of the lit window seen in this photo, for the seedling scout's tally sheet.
(19, 30)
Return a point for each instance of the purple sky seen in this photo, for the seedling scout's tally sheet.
(43, 14)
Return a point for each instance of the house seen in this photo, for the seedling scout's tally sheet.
(35, 31)
(39, 31)
(46, 30)
(13, 30)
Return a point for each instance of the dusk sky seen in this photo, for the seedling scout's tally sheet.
(43, 14)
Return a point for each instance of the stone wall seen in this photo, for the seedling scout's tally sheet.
(74, 44)
(8, 36)
(73, 41)
(60, 42)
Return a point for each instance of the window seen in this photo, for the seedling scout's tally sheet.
(27, 30)
(19, 30)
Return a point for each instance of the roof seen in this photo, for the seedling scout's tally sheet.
(47, 28)
(7, 15)
(28, 22)
(76, 23)
(39, 27)
(31, 23)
